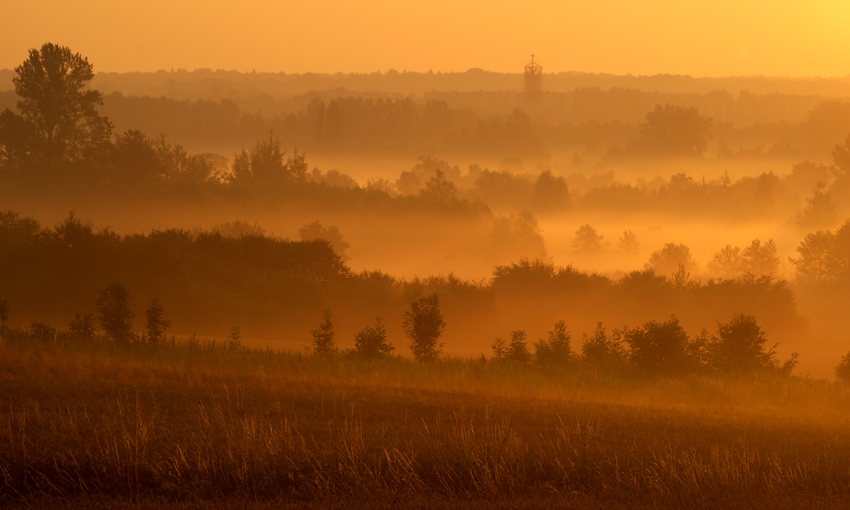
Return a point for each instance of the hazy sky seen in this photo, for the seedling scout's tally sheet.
(696, 37)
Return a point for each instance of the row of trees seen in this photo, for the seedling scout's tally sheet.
(655, 348)
(658, 348)
(423, 324)
(113, 318)
(728, 263)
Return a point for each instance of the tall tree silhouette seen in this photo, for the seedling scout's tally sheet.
(424, 324)
(58, 119)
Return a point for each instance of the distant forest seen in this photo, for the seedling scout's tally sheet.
(472, 114)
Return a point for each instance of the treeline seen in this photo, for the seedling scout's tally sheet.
(656, 348)
(133, 164)
(336, 122)
(211, 281)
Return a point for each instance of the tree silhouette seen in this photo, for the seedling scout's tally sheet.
(424, 324)
(659, 348)
(517, 351)
(58, 116)
(842, 370)
(323, 338)
(819, 211)
(841, 157)
(628, 244)
(4, 314)
(500, 349)
(551, 193)
(817, 257)
(588, 241)
(602, 350)
(234, 339)
(371, 342)
(114, 315)
(761, 258)
(726, 263)
(331, 234)
(556, 349)
(667, 260)
(675, 130)
(83, 327)
(439, 189)
(155, 324)
(264, 165)
(739, 346)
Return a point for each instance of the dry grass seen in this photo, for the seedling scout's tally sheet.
(192, 427)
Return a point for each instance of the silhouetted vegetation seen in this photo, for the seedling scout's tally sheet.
(323, 337)
(371, 341)
(424, 324)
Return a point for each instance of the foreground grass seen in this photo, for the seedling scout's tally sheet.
(191, 426)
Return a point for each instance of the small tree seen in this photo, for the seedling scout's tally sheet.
(761, 258)
(83, 327)
(500, 349)
(842, 371)
(424, 324)
(628, 244)
(323, 338)
(517, 350)
(155, 324)
(371, 342)
(439, 189)
(667, 260)
(114, 315)
(603, 351)
(728, 263)
(820, 209)
(588, 241)
(234, 340)
(555, 351)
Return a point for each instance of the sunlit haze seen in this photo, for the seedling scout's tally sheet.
(698, 38)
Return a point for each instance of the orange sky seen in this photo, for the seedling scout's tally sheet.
(696, 37)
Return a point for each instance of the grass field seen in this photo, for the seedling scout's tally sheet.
(194, 425)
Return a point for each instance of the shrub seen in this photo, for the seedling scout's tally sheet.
(603, 351)
(556, 350)
(740, 347)
(842, 371)
(371, 342)
(659, 347)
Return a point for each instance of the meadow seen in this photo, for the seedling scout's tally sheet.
(202, 424)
